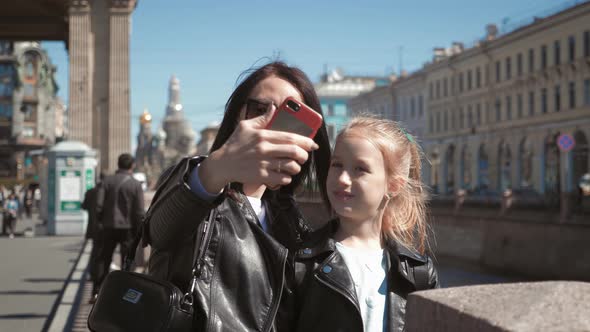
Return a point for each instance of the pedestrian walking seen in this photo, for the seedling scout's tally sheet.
(355, 273)
(28, 202)
(11, 207)
(93, 230)
(120, 210)
(248, 270)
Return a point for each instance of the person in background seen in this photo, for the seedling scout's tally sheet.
(356, 272)
(120, 210)
(93, 230)
(11, 206)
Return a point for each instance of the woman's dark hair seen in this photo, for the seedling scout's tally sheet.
(320, 158)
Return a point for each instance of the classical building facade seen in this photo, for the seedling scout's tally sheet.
(495, 110)
(173, 140)
(208, 135)
(335, 90)
(28, 107)
(378, 101)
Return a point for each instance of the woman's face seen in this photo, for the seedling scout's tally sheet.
(271, 90)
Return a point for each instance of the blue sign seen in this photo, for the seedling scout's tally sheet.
(565, 142)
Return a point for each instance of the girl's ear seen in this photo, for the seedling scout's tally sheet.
(395, 186)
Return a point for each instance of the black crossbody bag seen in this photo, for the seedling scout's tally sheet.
(129, 301)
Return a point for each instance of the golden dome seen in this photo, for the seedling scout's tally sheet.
(145, 118)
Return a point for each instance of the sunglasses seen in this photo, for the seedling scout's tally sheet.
(255, 107)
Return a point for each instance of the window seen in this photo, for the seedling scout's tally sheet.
(469, 116)
(438, 122)
(453, 125)
(531, 60)
(5, 89)
(478, 78)
(452, 85)
(446, 121)
(519, 105)
(478, 114)
(557, 53)
(469, 80)
(519, 64)
(497, 71)
(420, 106)
(445, 87)
(31, 60)
(557, 98)
(430, 123)
(331, 132)
(5, 111)
(587, 92)
(531, 103)
(571, 45)
(29, 112)
(5, 47)
(437, 89)
(586, 43)
(543, 100)
(508, 68)
(498, 110)
(430, 91)
(543, 57)
(461, 82)
(413, 107)
(28, 131)
(29, 90)
(508, 107)
(461, 118)
(572, 95)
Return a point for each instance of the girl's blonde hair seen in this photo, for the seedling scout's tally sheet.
(404, 217)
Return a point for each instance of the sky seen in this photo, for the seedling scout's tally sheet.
(207, 43)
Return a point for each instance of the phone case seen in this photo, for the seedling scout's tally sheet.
(303, 121)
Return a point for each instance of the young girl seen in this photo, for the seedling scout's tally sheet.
(355, 273)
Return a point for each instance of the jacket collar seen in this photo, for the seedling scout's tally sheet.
(321, 245)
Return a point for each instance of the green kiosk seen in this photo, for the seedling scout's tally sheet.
(70, 172)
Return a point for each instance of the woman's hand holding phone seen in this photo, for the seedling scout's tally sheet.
(255, 155)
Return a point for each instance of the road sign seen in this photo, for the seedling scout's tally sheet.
(565, 142)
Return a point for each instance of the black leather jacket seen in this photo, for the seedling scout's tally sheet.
(243, 280)
(326, 299)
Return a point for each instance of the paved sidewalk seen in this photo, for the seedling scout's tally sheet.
(34, 271)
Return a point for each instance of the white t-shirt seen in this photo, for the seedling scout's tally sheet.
(260, 211)
(368, 271)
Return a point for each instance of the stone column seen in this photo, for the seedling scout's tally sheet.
(118, 126)
(80, 46)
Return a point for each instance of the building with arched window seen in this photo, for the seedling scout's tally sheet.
(509, 97)
(28, 107)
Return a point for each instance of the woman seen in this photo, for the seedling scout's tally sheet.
(248, 266)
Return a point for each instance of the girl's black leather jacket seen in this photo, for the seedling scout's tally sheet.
(243, 280)
(325, 296)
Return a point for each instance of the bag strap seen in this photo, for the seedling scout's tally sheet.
(201, 246)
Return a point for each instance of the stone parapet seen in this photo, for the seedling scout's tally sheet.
(538, 306)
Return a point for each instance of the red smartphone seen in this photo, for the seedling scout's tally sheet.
(295, 117)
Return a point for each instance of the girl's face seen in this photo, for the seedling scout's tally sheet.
(270, 91)
(357, 180)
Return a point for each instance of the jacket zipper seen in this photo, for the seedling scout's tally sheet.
(274, 305)
(275, 300)
(337, 290)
